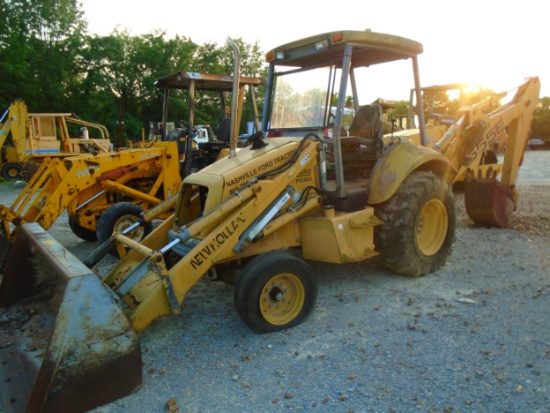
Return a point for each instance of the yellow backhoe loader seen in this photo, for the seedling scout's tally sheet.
(472, 140)
(436, 123)
(299, 192)
(491, 195)
(27, 139)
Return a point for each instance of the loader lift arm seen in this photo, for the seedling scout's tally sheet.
(86, 186)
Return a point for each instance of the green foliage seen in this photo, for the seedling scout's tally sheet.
(48, 60)
(39, 39)
(401, 107)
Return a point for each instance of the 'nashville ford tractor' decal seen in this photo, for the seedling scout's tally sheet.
(235, 183)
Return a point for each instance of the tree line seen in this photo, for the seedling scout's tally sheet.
(48, 59)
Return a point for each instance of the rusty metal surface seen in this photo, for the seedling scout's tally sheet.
(5, 246)
(488, 202)
(66, 345)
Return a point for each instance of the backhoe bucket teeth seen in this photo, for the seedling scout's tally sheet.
(488, 201)
(66, 345)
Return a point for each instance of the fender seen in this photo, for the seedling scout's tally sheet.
(398, 163)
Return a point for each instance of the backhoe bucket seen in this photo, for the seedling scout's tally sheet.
(488, 201)
(66, 345)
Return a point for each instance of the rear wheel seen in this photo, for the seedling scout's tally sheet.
(80, 231)
(11, 171)
(419, 226)
(275, 291)
(119, 217)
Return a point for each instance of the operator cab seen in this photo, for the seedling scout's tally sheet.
(312, 88)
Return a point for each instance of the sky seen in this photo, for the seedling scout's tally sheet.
(494, 44)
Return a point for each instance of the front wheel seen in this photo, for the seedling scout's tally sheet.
(119, 217)
(419, 226)
(11, 171)
(275, 291)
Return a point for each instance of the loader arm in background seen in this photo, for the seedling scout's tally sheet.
(4, 130)
(86, 183)
(490, 200)
(15, 122)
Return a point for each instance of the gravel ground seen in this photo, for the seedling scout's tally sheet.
(473, 337)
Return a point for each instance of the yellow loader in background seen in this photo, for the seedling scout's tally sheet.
(491, 195)
(473, 140)
(101, 193)
(303, 193)
(27, 139)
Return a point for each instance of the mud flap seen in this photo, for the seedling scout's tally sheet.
(488, 201)
(66, 345)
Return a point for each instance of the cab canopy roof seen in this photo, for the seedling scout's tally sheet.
(369, 48)
(204, 81)
(450, 86)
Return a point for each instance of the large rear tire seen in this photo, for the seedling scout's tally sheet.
(419, 226)
(275, 291)
(119, 217)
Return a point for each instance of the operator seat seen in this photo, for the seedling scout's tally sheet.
(359, 155)
(178, 136)
(367, 122)
(211, 149)
(366, 131)
(224, 130)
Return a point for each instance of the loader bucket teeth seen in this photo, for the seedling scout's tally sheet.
(66, 344)
(488, 201)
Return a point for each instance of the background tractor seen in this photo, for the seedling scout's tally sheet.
(27, 139)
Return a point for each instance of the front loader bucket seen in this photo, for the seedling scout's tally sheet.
(5, 246)
(66, 345)
(488, 201)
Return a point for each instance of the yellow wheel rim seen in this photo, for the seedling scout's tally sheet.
(282, 298)
(432, 227)
(13, 173)
(127, 220)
